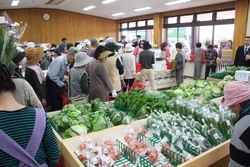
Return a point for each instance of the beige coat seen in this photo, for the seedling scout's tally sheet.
(113, 72)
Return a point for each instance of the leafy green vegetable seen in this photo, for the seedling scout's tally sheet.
(75, 130)
(100, 122)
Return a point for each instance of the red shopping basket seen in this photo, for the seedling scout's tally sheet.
(137, 84)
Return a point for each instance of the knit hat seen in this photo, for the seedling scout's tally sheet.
(81, 58)
(18, 57)
(235, 92)
(33, 55)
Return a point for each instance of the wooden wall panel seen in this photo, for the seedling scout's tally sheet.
(240, 23)
(71, 25)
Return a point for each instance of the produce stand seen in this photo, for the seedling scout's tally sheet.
(71, 144)
(210, 158)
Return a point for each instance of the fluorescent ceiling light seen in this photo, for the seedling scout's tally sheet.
(14, 3)
(118, 14)
(89, 8)
(177, 2)
(141, 9)
(107, 1)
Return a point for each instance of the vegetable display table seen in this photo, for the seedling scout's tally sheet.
(163, 79)
(211, 158)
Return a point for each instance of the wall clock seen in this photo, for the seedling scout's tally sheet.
(46, 16)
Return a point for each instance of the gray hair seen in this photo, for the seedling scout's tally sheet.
(73, 50)
(94, 42)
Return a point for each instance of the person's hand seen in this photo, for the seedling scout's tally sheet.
(247, 57)
(44, 102)
(114, 94)
(123, 84)
(65, 88)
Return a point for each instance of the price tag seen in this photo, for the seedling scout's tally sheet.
(228, 122)
(94, 160)
(216, 136)
(108, 160)
(105, 151)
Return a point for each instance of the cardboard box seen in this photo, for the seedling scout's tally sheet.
(241, 75)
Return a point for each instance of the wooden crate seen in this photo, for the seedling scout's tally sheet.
(210, 157)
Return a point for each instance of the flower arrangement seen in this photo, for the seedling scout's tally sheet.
(10, 34)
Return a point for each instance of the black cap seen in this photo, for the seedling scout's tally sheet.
(18, 57)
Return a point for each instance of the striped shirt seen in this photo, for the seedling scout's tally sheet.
(19, 125)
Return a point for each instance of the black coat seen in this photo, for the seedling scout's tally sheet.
(31, 77)
(239, 59)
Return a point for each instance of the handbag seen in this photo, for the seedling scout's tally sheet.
(64, 99)
(80, 99)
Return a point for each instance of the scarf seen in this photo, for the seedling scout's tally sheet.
(39, 72)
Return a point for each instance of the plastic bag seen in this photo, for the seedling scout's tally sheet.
(137, 84)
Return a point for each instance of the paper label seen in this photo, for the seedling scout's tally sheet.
(2, 19)
(216, 136)
(228, 122)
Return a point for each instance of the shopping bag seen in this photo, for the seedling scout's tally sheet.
(203, 59)
(137, 84)
(64, 98)
(80, 99)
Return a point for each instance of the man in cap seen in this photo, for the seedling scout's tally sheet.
(55, 81)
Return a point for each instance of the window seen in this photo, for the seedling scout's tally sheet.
(124, 25)
(141, 23)
(186, 19)
(172, 20)
(205, 17)
(225, 15)
(150, 22)
(132, 24)
(139, 27)
(215, 27)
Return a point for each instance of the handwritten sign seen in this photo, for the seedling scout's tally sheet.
(227, 54)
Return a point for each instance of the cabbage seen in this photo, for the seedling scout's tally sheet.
(200, 84)
(208, 94)
(183, 86)
(179, 92)
(228, 78)
(220, 84)
(75, 130)
(100, 122)
(216, 90)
